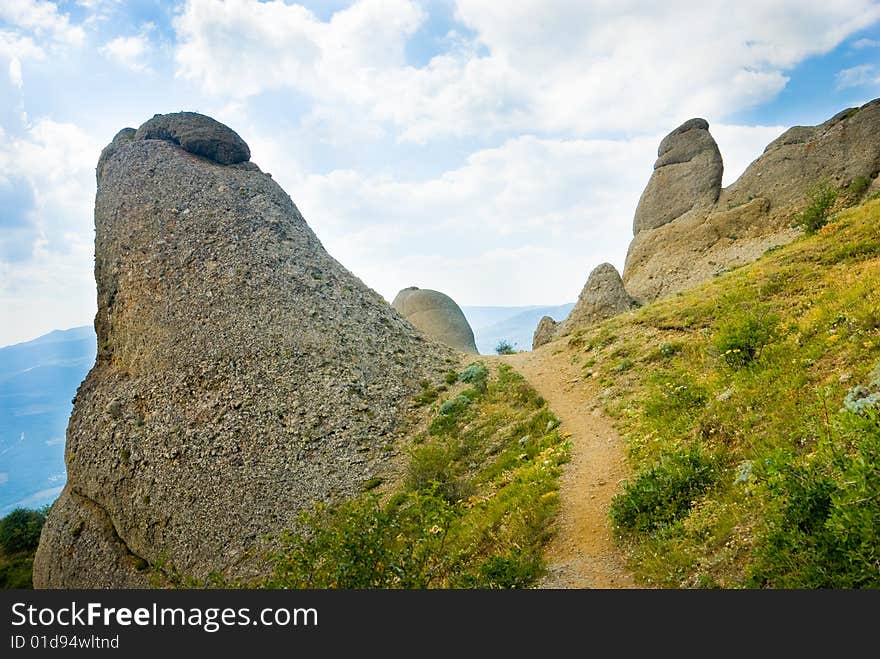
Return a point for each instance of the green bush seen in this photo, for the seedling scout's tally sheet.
(664, 493)
(20, 530)
(857, 187)
(504, 347)
(816, 214)
(474, 373)
(362, 544)
(823, 529)
(740, 340)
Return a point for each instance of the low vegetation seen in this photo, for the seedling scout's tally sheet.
(19, 537)
(751, 409)
(473, 510)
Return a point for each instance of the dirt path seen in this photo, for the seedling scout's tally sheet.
(582, 554)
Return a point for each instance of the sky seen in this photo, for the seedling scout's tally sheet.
(491, 150)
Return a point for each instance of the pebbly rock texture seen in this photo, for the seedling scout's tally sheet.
(687, 176)
(242, 373)
(678, 244)
(438, 316)
(544, 333)
(602, 297)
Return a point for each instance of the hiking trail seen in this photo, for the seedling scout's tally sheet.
(582, 552)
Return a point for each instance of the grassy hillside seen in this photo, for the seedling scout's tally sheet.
(750, 407)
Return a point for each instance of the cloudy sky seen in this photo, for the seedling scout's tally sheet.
(491, 150)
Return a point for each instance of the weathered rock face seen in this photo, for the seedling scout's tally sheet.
(242, 373)
(677, 245)
(602, 297)
(687, 175)
(544, 333)
(438, 316)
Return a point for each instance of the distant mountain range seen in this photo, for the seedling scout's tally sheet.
(516, 325)
(39, 378)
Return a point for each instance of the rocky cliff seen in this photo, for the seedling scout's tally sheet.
(242, 373)
(687, 228)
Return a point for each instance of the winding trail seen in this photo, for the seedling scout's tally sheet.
(582, 553)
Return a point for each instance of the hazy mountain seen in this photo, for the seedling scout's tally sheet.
(38, 379)
(515, 325)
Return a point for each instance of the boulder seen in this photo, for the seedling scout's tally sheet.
(438, 316)
(602, 297)
(242, 373)
(544, 333)
(687, 175)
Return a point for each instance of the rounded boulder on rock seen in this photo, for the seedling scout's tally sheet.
(438, 316)
(197, 134)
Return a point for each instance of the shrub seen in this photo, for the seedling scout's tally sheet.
(669, 350)
(20, 530)
(857, 187)
(823, 529)
(477, 375)
(504, 347)
(362, 544)
(816, 214)
(665, 492)
(741, 340)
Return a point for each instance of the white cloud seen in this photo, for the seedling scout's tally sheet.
(42, 18)
(15, 72)
(521, 223)
(537, 65)
(54, 287)
(865, 43)
(129, 52)
(863, 75)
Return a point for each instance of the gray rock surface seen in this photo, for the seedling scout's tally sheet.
(687, 175)
(197, 134)
(437, 315)
(242, 373)
(676, 246)
(602, 297)
(544, 333)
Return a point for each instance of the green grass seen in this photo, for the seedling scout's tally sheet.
(473, 511)
(751, 371)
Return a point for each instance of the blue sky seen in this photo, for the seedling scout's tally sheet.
(494, 151)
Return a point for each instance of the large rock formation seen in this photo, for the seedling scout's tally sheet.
(602, 297)
(438, 316)
(687, 175)
(242, 373)
(687, 228)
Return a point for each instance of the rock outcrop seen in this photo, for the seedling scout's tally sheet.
(688, 229)
(544, 333)
(242, 373)
(438, 316)
(602, 297)
(687, 176)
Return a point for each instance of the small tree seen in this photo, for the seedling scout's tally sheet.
(505, 348)
(20, 530)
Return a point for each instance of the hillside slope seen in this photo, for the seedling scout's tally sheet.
(749, 408)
